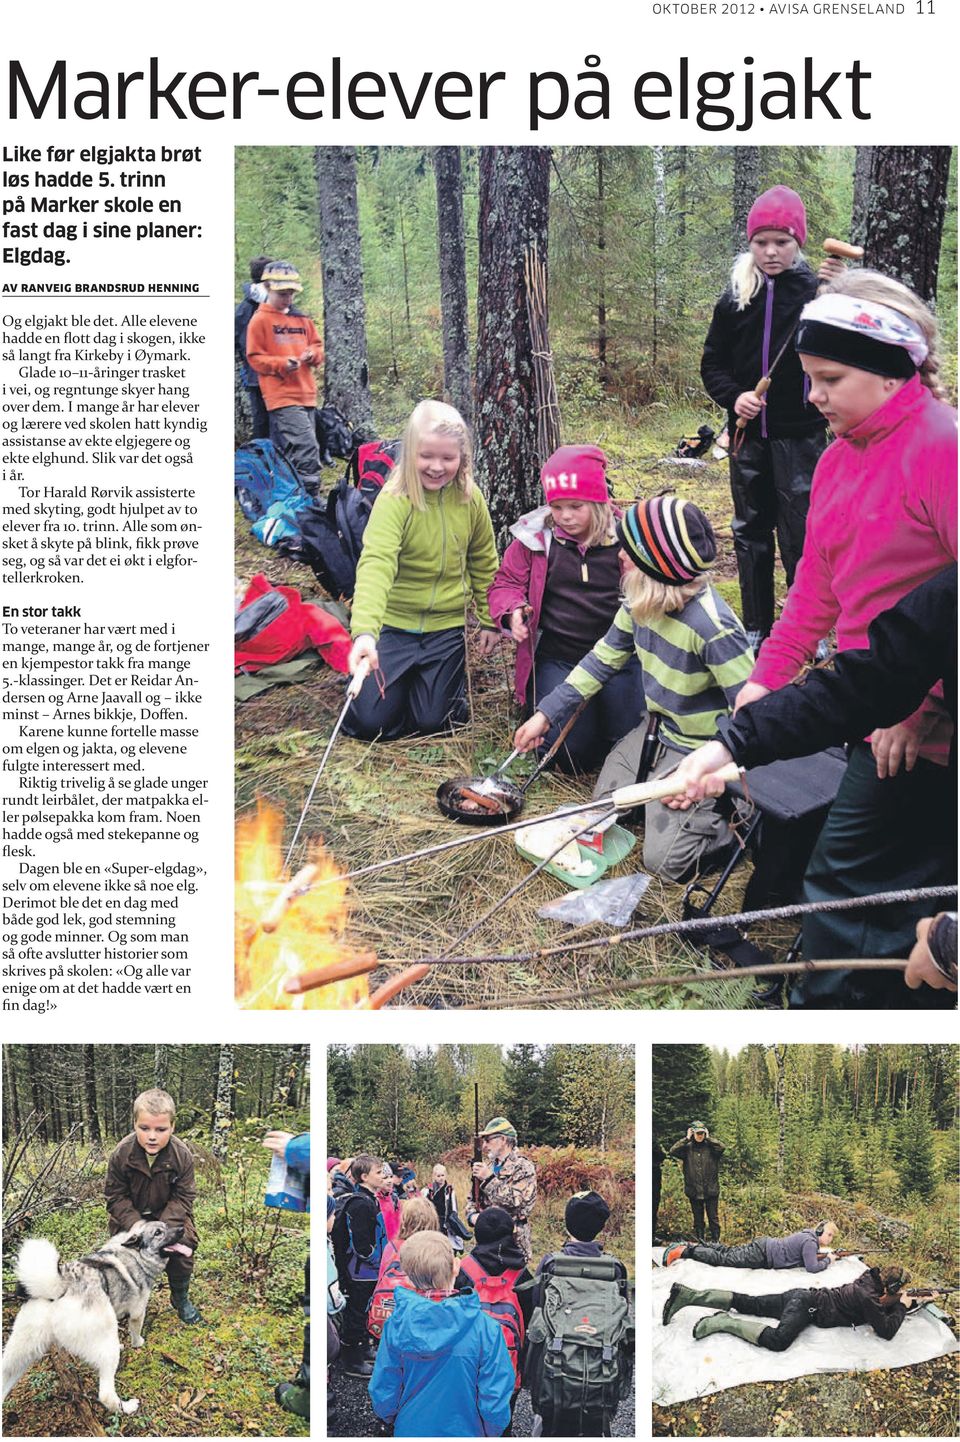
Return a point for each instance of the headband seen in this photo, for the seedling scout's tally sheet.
(863, 334)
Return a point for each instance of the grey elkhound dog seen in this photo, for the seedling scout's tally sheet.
(79, 1305)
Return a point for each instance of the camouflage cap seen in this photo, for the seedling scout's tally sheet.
(499, 1127)
(280, 275)
(698, 1127)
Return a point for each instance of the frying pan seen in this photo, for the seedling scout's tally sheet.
(499, 800)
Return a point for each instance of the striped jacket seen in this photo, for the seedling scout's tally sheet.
(694, 662)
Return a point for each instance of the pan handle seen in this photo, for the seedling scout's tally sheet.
(564, 733)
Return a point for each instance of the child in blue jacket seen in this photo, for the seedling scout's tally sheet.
(442, 1367)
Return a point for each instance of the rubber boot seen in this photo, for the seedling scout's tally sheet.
(354, 1362)
(674, 1254)
(182, 1305)
(747, 1328)
(293, 1398)
(681, 1296)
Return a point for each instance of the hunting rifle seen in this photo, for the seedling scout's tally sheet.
(838, 1255)
(477, 1147)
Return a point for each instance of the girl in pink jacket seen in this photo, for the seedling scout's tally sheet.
(557, 592)
(883, 518)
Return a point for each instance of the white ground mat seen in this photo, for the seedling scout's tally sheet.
(684, 1368)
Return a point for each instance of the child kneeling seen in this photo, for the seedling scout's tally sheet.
(442, 1366)
(694, 656)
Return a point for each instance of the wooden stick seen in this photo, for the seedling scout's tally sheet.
(343, 970)
(299, 885)
(629, 796)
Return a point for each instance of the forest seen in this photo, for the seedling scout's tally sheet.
(553, 295)
(864, 1133)
(64, 1110)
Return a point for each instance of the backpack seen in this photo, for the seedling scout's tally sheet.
(263, 478)
(580, 1338)
(383, 1300)
(334, 436)
(690, 447)
(333, 537)
(499, 1300)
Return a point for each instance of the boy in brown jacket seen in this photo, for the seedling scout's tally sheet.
(150, 1176)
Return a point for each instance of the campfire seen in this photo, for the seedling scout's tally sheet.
(290, 946)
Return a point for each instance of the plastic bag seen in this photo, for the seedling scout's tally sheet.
(286, 1188)
(612, 902)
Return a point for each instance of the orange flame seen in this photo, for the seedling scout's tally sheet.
(310, 932)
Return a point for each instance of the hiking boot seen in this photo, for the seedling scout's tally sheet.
(182, 1305)
(293, 1398)
(674, 1254)
(681, 1296)
(354, 1362)
(748, 1329)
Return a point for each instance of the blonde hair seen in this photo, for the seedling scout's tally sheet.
(155, 1103)
(417, 1215)
(602, 526)
(882, 289)
(645, 598)
(427, 1259)
(437, 418)
(746, 277)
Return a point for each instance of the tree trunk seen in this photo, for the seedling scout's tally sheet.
(11, 1101)
(601, 272)
(780, 1056)
(861, 193)
(453, 279)
(906, 202)
(746, 188)
(658, 247)
(346, 377)
(91, 1116)
(221, 1107)
(514, 204)
(161, 1066)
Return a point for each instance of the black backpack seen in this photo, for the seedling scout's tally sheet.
(580, 1340)
(333, 535)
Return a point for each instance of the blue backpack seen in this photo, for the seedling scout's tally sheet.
(271, 495)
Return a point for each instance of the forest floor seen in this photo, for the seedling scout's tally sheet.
(919, 1400)
(213, 1379)
(376, 801)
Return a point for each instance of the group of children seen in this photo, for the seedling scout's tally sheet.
(447, 1342)
(615, 607)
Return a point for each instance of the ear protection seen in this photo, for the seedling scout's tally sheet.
(818, 1232)
(894, 1279)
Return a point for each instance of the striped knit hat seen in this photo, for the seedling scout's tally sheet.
(668, 539)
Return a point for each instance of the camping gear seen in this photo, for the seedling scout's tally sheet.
(353, 691)
(274, 625)
(580, 1338)
(485, 800)
(333, 534)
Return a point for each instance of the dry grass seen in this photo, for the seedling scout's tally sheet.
(376, 801)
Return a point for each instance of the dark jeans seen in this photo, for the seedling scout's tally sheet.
(355, 1313)
(898, 833)
(423, 678)
(770, 480)
(697, 1206)
(609, 715)
(748, 1254)
(795, 1310)
(294, 433)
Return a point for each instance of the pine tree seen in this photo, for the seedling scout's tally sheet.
(681, 1090)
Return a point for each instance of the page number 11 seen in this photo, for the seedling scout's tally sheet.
(925, 7)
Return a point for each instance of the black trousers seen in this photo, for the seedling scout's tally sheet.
(258, 413)
(770, 480)
(749, 1254)
(424, 675)
(708, 1204)
(794, 1310)
(355, 1312)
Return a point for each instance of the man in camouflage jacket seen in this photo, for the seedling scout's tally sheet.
(507, 1179)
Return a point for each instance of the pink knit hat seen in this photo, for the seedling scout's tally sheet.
(575, 473)
(778, 209)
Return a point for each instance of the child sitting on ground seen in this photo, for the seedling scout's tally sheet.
(442, 1368)
(150, 1178)
(558, 590)
(694, 657)
(428, 556)
(579, 1396)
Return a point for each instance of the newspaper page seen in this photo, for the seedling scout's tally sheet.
(516, 297)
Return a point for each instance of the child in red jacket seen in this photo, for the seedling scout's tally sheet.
(558, 590)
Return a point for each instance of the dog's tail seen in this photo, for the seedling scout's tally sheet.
(38, 1269)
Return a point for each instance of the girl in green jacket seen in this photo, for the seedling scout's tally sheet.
(428, 556)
